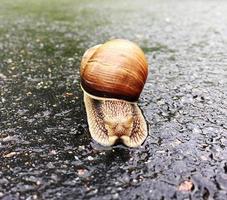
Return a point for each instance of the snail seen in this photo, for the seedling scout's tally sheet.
(113, 75)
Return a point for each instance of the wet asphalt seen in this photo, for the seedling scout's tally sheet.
(46, 151)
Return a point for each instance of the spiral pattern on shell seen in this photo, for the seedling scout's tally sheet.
(116, 69)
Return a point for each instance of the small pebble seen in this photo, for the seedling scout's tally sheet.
(115, 196)
(9, 155)
(90, 158)
(185, 186)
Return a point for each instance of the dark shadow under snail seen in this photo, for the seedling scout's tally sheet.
(113, 75)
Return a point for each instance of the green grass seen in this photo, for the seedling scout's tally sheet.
(49, 21)
(51, 9)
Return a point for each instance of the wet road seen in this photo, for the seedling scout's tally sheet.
(46, 151)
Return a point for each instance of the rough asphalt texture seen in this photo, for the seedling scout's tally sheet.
(46, 151)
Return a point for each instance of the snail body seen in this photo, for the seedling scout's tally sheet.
(113, 75)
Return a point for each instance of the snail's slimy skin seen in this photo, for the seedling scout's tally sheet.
(111, 120)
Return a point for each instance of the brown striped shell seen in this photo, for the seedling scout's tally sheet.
(116, 69)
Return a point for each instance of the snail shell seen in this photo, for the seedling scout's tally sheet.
(116, 69)
(113, 75)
